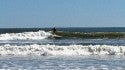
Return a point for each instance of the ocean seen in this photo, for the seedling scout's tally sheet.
(37, 49)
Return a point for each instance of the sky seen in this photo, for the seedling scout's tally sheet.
(61, 13)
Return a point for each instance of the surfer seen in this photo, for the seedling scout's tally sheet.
(54, 30)
(55, 36)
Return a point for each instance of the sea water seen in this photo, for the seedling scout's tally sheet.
(32, 49)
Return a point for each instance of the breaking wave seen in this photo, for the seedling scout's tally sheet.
(55, 50)
(25, 35)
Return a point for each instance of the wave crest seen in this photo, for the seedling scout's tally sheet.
(25, 35)
(53, 50)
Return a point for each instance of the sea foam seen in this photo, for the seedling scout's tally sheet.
(25, 35)
(54, 50)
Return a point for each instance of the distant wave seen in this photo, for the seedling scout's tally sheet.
(25, 35)
(54, 50)
(92, 35)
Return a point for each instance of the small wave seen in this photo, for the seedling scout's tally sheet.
(102, 67)
(54, 50)
(25, 35)
(63, 67)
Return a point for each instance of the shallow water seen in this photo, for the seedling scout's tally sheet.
(63, 63)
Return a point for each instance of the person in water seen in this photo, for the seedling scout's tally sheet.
(54, 30)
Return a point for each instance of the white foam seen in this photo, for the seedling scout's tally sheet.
(103, 67)
(71, 50)
(25, 35)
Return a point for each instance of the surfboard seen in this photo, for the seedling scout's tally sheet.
(55, 36)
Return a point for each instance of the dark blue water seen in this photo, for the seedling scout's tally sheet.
(69, 29)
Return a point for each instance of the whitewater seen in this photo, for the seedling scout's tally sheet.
(37, 51)
(54, 50)
(25, 35)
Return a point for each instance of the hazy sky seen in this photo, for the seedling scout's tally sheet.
(62, 13)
